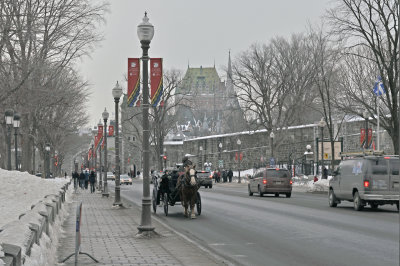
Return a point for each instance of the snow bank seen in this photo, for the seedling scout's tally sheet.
(21, 190)
(306, 183)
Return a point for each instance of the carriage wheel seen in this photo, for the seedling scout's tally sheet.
(166, 204)
(154, 200)
(198, 204)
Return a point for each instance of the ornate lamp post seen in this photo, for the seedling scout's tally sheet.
(219, 155)
(47, 148)
(201, 155)
(16, 122)
(117, 93)
(272, 136)
(99, 125)
(366, 116)
(145, 31)
(238, 142)
(321, 125)
(92, 158)
(9, 117)
(105, 115)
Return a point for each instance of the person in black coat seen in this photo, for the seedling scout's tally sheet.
(75, 176)
(82, 180)
(230, 175)
(92, 180)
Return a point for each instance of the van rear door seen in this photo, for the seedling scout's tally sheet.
(278, 178)
(394, 168)
(378, 176)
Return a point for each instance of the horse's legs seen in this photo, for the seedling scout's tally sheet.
(192, 204)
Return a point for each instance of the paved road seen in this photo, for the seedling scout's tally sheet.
(301, 230)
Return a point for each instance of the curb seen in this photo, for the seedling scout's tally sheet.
(18, 237)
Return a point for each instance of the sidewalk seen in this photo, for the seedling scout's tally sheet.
(108, 234)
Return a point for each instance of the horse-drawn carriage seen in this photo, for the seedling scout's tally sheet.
(166, 192)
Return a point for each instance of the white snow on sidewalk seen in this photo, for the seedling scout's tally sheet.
(21, 190)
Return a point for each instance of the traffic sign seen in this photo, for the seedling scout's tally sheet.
(272, 162)
(220, 163)
(379, 89)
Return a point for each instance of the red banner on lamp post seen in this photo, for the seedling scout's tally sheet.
(362, 137)
(100, 130)
(133, 81)
(110, 131)
(156, 81)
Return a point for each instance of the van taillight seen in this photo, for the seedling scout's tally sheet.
(264, 181)
(366, 183)
(210, 176)
(291, 181)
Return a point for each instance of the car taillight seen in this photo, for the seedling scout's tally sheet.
(264, 181)
(366, 183)
(291, 181)
(210, 176)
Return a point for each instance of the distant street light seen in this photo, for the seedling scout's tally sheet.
(100, 165)
(322, 124)
(145, 31)
(105, 118)
(16, 122)
(9, 117)
(238, 142)
(117, 93)
(47, 148)
(272, 136)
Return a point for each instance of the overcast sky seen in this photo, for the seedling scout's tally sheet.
(197, 32)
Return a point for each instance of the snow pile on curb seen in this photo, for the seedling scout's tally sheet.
(21, 190)
(307, 184)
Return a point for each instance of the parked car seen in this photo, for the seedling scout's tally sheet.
(205, 178)
(366, 180)
(271, 181)
(125, 179)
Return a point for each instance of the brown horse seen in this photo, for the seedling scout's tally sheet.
(188, 190)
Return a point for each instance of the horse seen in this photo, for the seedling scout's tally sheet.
(188, 187)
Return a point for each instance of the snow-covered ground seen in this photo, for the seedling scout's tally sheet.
(21, 190)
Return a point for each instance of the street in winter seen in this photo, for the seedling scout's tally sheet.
(207, 133)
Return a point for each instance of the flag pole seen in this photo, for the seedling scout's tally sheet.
(377, 133)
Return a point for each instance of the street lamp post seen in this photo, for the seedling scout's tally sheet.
(322, 124)
(100, 165)
(201, 155)
(105, 118)
(47, 148)
(238, 142)
(16, 126)
(366, 116)
(9, 117)
(117, 93)
(219, 155)
(145, 31)
(272, 136)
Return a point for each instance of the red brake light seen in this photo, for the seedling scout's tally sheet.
(210, 176)
(277, 169)
(264, 181)
(366, 183)
(291, 181)
(386, 157)
(202, 171)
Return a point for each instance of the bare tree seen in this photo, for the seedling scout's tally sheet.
(370, 28)
(274, 82)
(327, 63)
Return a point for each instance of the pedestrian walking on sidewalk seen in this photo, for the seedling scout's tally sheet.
(86, 179)
(224, 176)
(75, 177)
(82, 180)
(230, 175)
(92, 180)
(65, 175)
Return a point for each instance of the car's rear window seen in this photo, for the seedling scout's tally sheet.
(394, 166)
(278, 173)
